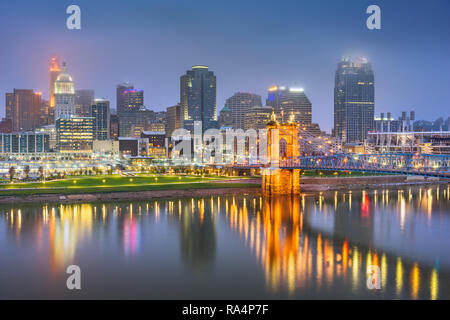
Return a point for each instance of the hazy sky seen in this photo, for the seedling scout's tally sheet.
(249, 44)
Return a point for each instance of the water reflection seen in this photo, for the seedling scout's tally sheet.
(310, 246)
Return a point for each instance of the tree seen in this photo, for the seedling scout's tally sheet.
(12, 172)
(41, 172)
(26, 170)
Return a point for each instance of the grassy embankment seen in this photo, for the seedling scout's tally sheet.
(117, 183)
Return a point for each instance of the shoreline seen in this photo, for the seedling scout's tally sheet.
(125, 196)
(308, 187)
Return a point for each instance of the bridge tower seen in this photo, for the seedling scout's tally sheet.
(282, 144)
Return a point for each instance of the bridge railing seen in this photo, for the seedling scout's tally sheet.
(403, 163)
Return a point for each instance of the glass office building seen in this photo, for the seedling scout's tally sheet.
(354, 100)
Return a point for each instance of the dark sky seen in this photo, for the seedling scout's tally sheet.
(249, 44)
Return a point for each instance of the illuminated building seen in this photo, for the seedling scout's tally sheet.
(239, 104)
(23, 108)
(156, 143)
(225, 118)
(156, 127)
(114, 126)
(132, 100)
(174, 119)
(46, 114)
(64, 95)
(354, 100)
(133, 147)
(198, 98)
(84, 99)
(101, 114)
(75, 134)
(106, 147)
(24, 142)
(132, 123)
(49, 130)
(289, 100)
(55, 70)
(120, 97)
(257, 117)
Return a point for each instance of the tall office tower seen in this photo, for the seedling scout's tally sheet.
(198, 98)
(120, 103)
(64, 95)
(239, 104)
(55, 70)
(354, 100)
(23, 108)
(101, 113)
(174, 119)
(225, 118)
(288, 100)
(84, 99)
(74, 134)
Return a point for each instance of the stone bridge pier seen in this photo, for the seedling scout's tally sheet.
(280, 181)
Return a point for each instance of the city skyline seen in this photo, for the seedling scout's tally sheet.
(154, 64)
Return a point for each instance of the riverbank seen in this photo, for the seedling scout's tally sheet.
(308, 185)
(122, 196)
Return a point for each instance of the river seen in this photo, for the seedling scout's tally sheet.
(236, 246)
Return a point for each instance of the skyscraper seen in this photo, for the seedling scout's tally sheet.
(354, 100)
(55, 70)
(101, 114)
(198, 97)
(239, 104)
(288, 100)
(64, 95)
(84, 99)
(23, 108)
(133, 100)
(129, 98)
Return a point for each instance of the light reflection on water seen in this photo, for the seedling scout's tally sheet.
(233, 246)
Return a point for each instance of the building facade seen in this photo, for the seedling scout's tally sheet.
(289, 100)
(120, 98)
(100, 111)
(23, 108)
(257, 118)
(84, 98)
(174, 119)
(239, 104)
(354, 100)
(64, 95)
(132, 123)
(24, 143)
(74, 134)
(198, 98)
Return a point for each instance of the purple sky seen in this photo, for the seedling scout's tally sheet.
(250, 46)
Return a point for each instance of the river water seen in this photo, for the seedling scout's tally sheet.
(241, 246)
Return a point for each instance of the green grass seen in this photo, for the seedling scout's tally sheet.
(116, 183)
